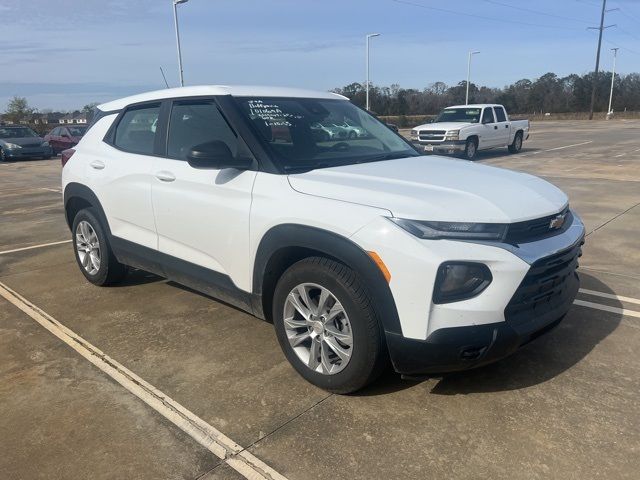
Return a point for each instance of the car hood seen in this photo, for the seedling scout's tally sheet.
(436, 188)
(444, 126)
(23, 140)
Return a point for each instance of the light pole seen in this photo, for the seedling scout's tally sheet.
(466, 101)
(175, 21)
(370, 35)
(613, 77)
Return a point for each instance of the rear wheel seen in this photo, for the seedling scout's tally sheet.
(93, 253)
(516, 146)
(327, 327)
(471, 149)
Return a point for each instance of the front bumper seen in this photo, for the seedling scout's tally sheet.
(534, 285)
(448, 147)
(462, 348)
(28, 152)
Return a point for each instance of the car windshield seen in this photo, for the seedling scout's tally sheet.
(466, 115)
(77, 131)
(305, 134)
(17, 132)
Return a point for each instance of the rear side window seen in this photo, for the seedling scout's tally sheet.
(500, 115)
(136, 131)
(55, 132)
(487, 115)
(193, 123)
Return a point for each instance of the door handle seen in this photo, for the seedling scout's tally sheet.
(495, 127)
(165, 176)
(97, 165)
(506, 126)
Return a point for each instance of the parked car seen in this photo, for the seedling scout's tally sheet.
(353, 131)
(357, 252)
(18, 141)
(62, 138)
(328, 131)
(467, 129)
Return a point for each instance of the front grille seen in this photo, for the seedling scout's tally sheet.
(537, 229)
(431, 135)
(550, 284)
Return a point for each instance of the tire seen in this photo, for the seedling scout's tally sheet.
(356, 319)
(471, 149)
(86, 231)
(516, 146)
(352, 135)
(47, 157)
(3, 155)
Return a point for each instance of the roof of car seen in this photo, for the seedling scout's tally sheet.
(205, 90)
(476, 105)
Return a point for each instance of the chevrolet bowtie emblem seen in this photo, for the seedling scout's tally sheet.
(557, 222)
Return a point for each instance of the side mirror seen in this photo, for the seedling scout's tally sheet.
(215, 155)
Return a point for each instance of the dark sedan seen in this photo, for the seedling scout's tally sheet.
(17, 141)
(63, 138)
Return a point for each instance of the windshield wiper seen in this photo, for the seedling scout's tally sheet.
(386, 156)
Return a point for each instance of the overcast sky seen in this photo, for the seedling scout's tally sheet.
(63, 54)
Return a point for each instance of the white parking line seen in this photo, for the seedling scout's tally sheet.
(557, 148)
(567, 146)
(57, 190)
(609, 295)
(35, 246)
(210, 438)
(607, 308)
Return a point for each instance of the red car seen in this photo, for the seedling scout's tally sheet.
(62, 138)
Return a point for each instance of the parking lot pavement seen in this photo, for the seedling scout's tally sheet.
(564, 406)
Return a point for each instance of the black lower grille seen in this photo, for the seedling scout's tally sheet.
(550, 285)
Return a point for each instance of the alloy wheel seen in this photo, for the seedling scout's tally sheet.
(318, 328)
(88, 247)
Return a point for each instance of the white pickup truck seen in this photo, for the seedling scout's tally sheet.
(466, 129)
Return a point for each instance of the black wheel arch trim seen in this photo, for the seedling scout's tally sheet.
(291, 236)
(78, 191)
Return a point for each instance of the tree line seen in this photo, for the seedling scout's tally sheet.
(547, 94)
(18, 109)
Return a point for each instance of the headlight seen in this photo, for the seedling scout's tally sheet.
(44, 144)
(452, 135)
(453, 230)
(12, 146)
(456, 281)
(414, 135)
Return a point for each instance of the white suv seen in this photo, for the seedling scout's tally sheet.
(358, 249)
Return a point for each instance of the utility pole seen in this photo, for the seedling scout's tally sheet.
(613, 77)
(601, 28)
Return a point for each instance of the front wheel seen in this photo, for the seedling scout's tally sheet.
(470, 149)
(516, 146)
(3, 155)
(327, 327)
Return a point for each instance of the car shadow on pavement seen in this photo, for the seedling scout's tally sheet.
(544, 358)
(137, 277)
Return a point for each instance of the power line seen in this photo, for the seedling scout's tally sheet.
(635, 52)
(537, 12)
(483, 17)
(627, 33)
